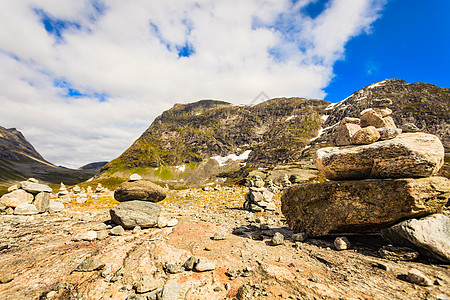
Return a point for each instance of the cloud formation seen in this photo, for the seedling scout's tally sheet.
(83, 79)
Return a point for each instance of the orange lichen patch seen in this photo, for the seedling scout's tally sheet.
(93, 203)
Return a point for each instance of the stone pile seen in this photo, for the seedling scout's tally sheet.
(259, 198)
(137, 207)
(29, 198)
(380, 176)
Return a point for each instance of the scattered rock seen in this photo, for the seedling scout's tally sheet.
(170, 291)
(417, 277)
(277, 239)
(387, 133)
(89, 265)
(398, 253)
(137, 229)
(172, 222)
(429, 235)
(102, 234)
(190, 263)
(135, 213)
(409, 127)
(14, 198)
(204, 264)
(42, 201)
(219, 235)
(341, 243)
(299, 237)
(135, 177)
(148, 283)
(117, 230)
(139, 190)
(89, 236)
(26, 209)
(385, 102)
(55, 206)
(100, 226)
(173, 268)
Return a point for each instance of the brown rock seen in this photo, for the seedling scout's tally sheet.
(16, 197)
(387, 133)
(381, 102)
(408, 155)
(142, 190)
(361, 205)
(135, 213)
(365, 136)
(383, 111)
(395, 253)
(371, 118)
(344, 133)
(348, 120)
(42, 201)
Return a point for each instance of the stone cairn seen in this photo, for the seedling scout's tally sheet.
(379, 176)
(137, 207)
(29, 198)
(259, 198)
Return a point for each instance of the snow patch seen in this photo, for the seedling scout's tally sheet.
(223, 159)
(322, 130)
(376, 84)
(335, 105)
(366, 110)
(181, 168)
(290, 118)
(324, 118)
(359, 99)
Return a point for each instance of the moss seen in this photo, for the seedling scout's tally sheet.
(164, 173)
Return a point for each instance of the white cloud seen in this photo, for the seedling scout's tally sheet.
(128, 51)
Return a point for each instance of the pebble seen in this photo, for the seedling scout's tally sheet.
(117, 230)
(299, 237)
(277, 239)
(341, 243)
(5, 278)
(148, 283)
(101, 235)
(170, 291)
(89, 236)
(220, 235)
(89, 265)
(101, 226)
(204, 264)
(137, 229)
(417, 277)
(173, 268)
(190, 263)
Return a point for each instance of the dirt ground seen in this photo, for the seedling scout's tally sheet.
(38, 257)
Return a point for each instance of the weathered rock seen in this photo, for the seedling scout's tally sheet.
(365, 136)
(148, 283)
(55, 206)
(299, 237)
(170, 291)
(14, 198)
(139, 190)
(344, 133)
(42, 201)
(370, 117)
(408, 155)
(383, 111)
(341, 243)
(13, 188)
(387, 133)
(190, 263)
(34, 188)
(277, 239)
(102, 234)
(348, 120)
(409, 127)
(117, 230)
(429, 235)
(417, 277)
(395, 253)
(89, 235)
(204, 264)
(135, 177)
(385, 102)
(135, 213)
(25, 209)
(173, 268)
(361, 206)
(220, 235)
(89, 265)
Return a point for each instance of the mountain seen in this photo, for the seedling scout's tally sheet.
(94, 166)
(190, 142)
(19, 160)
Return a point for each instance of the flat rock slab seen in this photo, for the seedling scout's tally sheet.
(429, 235)
(361, 205)
(34, 188)
(135, 213)
(139, 190)
(408, 155)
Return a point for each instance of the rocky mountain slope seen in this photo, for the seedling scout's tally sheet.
(180, 143)
(19, 160)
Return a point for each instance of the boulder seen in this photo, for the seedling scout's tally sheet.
(16, 197)
(381, 102)
(429, 235)
(34, 188)
(55, 206)
(42, 201)
(383, 111)
(365, 136)
(408, 155)
(135, 213)
(139, 190)
(135, 177)
(361, 205)
(26, 209)
(387, 133)
(370, 117)
(344, 133)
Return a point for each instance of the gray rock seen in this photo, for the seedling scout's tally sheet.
(387, 133)
(148, 283)
(135, 213)
(34, 188)
(341, 243)
(55, 206)
(117, 230)
(170, 291)
(42, 201)
(190, 263)
(135, 177)
(429, 235)
(277, 239)
(14, 198)
(256, 197)
(204, 264)
(89, 265)
(409, 127)
(395, 253)
(102, 234)
(139, 190)
(173, 268)
(361, 205)
(26, 209)
(407, 155)
(417, 277)
(89, 235)
(381, 102)
(299, 237)
(344, 133)
(220, 235)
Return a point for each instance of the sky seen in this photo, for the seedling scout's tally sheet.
(83, 79)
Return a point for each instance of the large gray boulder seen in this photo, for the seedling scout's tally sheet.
(407, 155)
(361, 205)
(429, 235)
(139, 190)
(135, 213)
(16, 197)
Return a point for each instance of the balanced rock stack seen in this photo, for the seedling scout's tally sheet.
(137, 206)
(259, 198)
(379, 175)
(29, 198)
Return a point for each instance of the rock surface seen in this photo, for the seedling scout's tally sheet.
(135, 213)
(361, 206)
(142, 190)
(429, 235)
(25, 209)
(14, 198)
(34, 188)
(407, 155)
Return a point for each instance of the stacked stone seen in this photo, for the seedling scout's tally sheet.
(259, 198)
(137, 207)
(29, 198)
(63, 194)
(380, 176)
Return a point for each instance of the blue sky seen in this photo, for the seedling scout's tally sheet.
(410, 41)
(82, 79)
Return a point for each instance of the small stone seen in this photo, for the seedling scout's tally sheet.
(349, 120)
(107, 271)
(259, 183)
(381, 266)
(220, 235)
(100, 226)
(89, 265)
(117, 230)
(395, 253)
(256, 208)
(170, 291)
(299, 237)
(26, 209)
(204, 264)
(51, 294)
(344, 133)
(5, 278)
(365, 136)
(417, 277)
(264, 227)
(257, 235)
(277, 239)
(173, 268)
(135, 177)
(341, 243)
(14, 198)
(148, 283)
(409, 127)
(55, 206)
(33, 187)
(271, 207)
(162, 222)
(90, 235)
(13, 188)
(137, 229)
(218, 289)
(190, 263)
(102, 234)
(381, 102)
(172, 222)
(383, 111)
(387, 133)
(42, 201)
